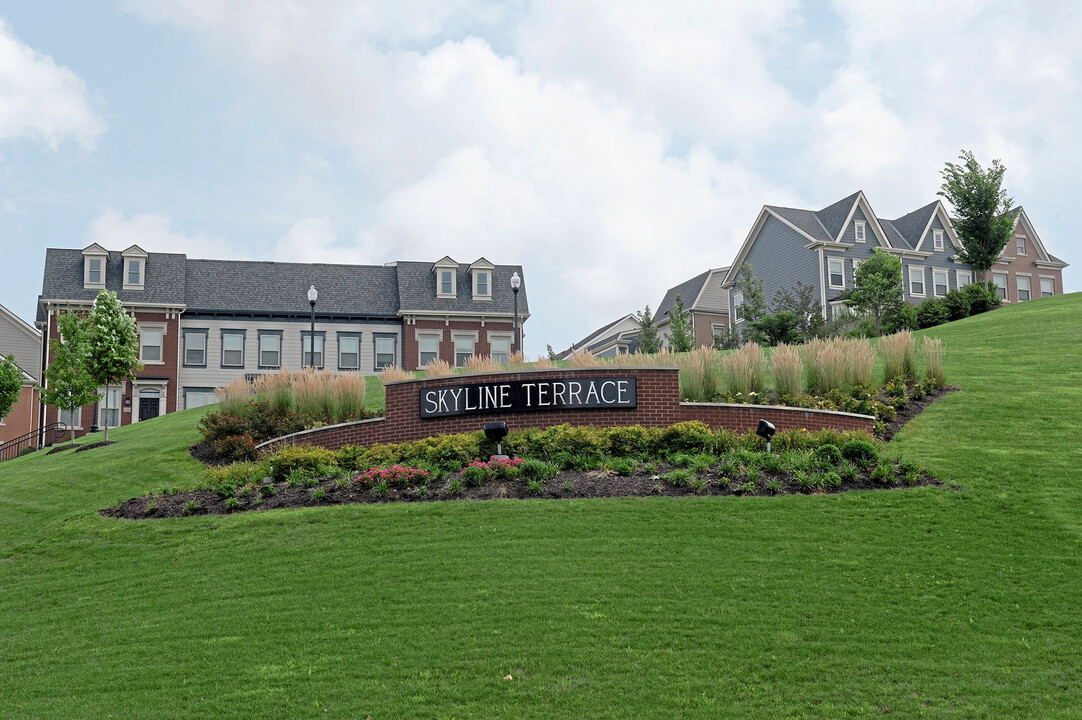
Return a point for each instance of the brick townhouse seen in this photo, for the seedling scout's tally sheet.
(24, 342)
(203, 323)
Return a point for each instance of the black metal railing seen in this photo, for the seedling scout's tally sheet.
(34, 439)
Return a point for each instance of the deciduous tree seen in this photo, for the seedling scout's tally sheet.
(113, 354)
(877, 288)
(648, 340)
(982, 207)
(11, 384)
(68, 384)
(681, 333)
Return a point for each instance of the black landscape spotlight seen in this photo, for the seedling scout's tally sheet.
(765, 431)
(497, 431)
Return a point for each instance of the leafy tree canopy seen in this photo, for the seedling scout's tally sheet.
(681, 333)
(984, 223)
(11, 384)
(113, 354)
(877, 288)
(68, 382)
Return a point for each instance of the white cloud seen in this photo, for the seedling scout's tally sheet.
(41, 100)
(154, 233)
(314, 239)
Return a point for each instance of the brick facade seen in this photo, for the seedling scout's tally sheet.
(165, 371)
(23, 416)
(658, 406)
(411, 351)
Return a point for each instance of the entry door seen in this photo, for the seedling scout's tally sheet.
(148, 408)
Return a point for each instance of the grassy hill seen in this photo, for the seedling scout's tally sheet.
(919, 602)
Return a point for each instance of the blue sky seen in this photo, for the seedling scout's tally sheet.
(613, 149)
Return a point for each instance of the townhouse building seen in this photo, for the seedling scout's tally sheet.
(22, 340)
(203, 323)
(823, 248)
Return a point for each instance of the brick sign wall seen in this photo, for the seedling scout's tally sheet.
(658, 405)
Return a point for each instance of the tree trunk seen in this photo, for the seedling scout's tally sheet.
(106, 423)
(72, 428)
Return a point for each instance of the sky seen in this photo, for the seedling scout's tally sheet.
(613, 149)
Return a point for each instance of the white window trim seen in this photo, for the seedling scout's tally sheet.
(946, 282)
(857, 262)
(1020, 250)
(836, 306)
(509, 337)
(860, 231)
(137, 389)
(958, 278)
(830, 279)
(738, 303)
(477, 295)
(77, 415)
(1049, 278)
(1018, 288)
(418, 334)
(923, 281)
(152, 326)
(439, 284)
(86, 271)
(455, 335)
(142, 273)
(1006, 286)
(937, 239)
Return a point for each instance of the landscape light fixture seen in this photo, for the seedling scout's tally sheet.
(312, 297)
(765, 431)
(497, 431)
(516, 283)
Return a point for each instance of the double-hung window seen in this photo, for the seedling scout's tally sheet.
(964, 278)
(1000, 279)
(72, 419)
(270, 349)
(463, 349)
(233, 348)
(1048, 287)
(738, 307)
(385, 350)
(349, 351)
(500, 349)
(428, 347)
(447, 282)
(937, 239)
(150, 345)
(836, 268)
(134, 272)
(939, 280)
(1021, 246)
(858, 230)
(195, 348)
(110, 407)
(1023, 287)
(916, 281)
(310, 358)
(94, 271)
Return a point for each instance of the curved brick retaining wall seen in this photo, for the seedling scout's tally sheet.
(658, 405)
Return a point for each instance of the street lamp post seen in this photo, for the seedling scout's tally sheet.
(516, 283)
(312, 297)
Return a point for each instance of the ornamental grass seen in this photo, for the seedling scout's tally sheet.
(482, 364)
(233, 396)
(899, 356)
(827, 366)
(932, 349)
(542, 363)
(394, 374)
(861, 356)
(439, 368)
(745, 370)
(787, 370)
(700, 374)
(346, 394)
(583, 358)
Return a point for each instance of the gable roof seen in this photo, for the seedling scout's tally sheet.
(912, 226)
(603, 334)
(804, 220)
(687, 290)
(833, 217)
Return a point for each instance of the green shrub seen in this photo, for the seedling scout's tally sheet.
(309, 459)
(957, 304)
(860, 452)
(631, 441)
(266, 490)
(689, 437)
(318, 494)
(848, 472)
(829, 455)
(535, 487)
(538, 470)
(454, 488)
(565, 460)
(982, 297)
(191, 507)
(232, 504)
(237, 474)
(883, 474)
(350, 456)
(932, 312)
(474, 475)
(680, 459)
(904, 318)
(897, 394)
(235, 448)
(621, 466)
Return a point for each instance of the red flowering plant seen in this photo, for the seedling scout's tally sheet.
(478, 472)
(394, 476)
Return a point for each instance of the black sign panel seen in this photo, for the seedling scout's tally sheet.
(528, 396)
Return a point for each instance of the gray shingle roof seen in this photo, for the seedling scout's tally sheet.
(912, 225)
(833, 216)
(806, 220)
(417, 290)
(687, 290)
(164, 281)
(894, 237)
(232, 285)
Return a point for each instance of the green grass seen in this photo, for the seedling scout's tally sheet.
(924, 602)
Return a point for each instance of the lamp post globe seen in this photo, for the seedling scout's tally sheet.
(313, 295)
(516, 283)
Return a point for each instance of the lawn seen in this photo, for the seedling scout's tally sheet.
(930, 602)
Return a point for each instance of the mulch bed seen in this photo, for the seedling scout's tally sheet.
(593, 484)
(91, 446)
(61, 448)
(567, 485)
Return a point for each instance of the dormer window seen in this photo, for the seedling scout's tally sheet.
(135, 263)
(481, 272)
(858, 229)
(937, 239)
(446, 271)
(94, 258)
